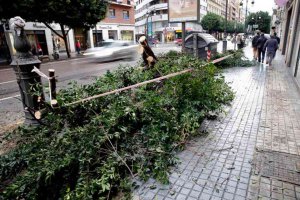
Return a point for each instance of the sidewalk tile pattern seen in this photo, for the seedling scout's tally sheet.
(264, 115)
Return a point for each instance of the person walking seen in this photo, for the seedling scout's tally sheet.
(78, 47)
(278, 40)
(260, 47)
(239, 41)
(254, 44)
(271, 46)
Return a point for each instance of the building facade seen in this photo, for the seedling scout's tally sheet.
(118, 24)
(152, 15)
(216, 6)
(286, 21)
(39, 36)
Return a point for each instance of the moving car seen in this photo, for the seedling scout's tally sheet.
(178, 41)
(113, 50)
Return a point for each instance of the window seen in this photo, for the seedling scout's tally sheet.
(125, 14)
(112, 13)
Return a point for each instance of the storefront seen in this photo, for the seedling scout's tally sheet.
(126, 35)
(4, 50)
(104, 32)
(37, 39)
(97, 37)
(80, 35)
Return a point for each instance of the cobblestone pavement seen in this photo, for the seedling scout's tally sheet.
(264, 117)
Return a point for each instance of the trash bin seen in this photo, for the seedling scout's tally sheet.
(203, 40)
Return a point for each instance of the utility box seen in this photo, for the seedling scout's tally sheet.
(199, 43)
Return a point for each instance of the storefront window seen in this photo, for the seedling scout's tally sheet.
(4, 51)
(113, 34)
(38, 42)
(97, 37)
(58, 42)
(127, 35)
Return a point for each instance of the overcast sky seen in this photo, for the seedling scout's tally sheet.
(261, 5)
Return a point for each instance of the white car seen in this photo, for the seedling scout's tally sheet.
(113, 50)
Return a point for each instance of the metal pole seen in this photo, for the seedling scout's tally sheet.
(246, 16)
(225, 29)
(183, 36)
(195, 44)
(147, 37)
(96, 38)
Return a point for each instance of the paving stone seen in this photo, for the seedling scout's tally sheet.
(185, 191)
(181, 197)
(228, 196)
(195, 194)
(241, 192)
(205, 196)
(277, 196)
(290, 193)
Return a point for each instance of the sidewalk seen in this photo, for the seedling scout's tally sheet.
(253, 152)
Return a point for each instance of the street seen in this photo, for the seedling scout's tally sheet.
(82, 70)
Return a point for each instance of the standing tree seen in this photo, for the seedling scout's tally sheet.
(262, 19)
(67, 13)
(211, 22)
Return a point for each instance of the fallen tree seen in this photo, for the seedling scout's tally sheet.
(89, 150)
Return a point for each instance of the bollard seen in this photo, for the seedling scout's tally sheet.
(208, 55)
(52, 88)
(23, 63)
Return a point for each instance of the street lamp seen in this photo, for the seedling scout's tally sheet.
(225, 29)
(241, 4)
(148, 14)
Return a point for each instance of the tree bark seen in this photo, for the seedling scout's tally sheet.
(65, 39)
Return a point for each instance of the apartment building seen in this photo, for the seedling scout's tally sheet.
(118, 24)
(152, 15)
(287, 24)
(216, 7)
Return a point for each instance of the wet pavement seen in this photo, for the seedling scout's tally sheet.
(252, 152)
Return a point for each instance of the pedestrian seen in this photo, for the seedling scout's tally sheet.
(33, 50)
(254, 45)
(260, 48)
(271, 45)
(78, 46)
(278, 40)
(239, 41)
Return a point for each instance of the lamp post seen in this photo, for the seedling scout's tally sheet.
(148, 14)
(225, 29)
(241, 4)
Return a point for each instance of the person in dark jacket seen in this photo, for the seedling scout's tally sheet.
(260, 47)
(278, 40)
(254, 45)
(271, 46)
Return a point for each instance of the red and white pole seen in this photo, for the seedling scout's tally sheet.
(208, 55)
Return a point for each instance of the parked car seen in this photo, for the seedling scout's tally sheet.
(153, 41)
(178, 41)
(113, 50)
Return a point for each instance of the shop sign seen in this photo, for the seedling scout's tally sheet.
(35, 25)
(104, 27)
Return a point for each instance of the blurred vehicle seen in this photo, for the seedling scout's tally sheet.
(153, 41)
(113, 50)
(178, 41)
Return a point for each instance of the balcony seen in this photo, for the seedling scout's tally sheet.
(121, 3)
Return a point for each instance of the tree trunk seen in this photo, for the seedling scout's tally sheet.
(65, 39)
